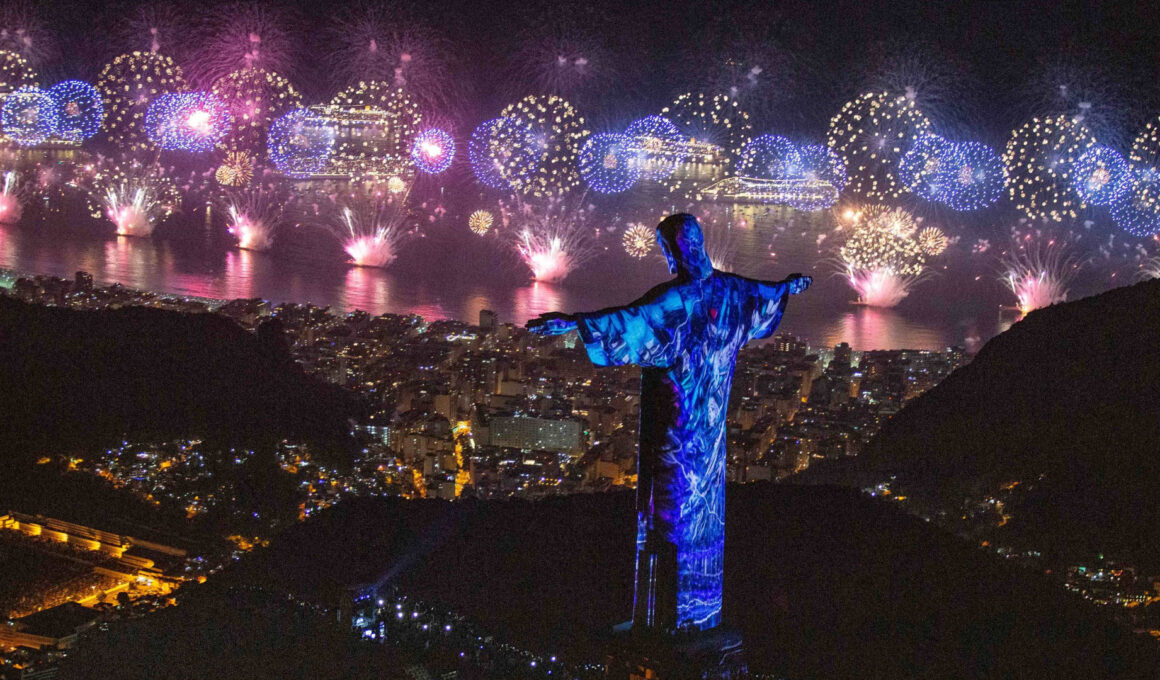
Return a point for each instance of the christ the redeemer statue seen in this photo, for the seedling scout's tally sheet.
(685, 334)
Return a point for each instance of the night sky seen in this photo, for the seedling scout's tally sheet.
(987, 65)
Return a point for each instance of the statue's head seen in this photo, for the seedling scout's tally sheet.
(683, 243)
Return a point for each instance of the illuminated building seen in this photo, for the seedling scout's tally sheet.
(366, 143)
(534, 434)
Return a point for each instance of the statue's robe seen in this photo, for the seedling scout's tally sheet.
(685, 334)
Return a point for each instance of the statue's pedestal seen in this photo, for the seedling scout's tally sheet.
(702, 655)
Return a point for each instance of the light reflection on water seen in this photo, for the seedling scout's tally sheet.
(765, 243)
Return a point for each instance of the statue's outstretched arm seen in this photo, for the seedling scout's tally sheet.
(552, 323)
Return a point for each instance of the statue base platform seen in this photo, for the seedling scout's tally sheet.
(699, 655)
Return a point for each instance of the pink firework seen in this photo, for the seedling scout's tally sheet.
(369, 46)
(12, 191)
(371, 223)
(879, 287)
(1038, 271)
(239, 36)
(254, 216)
(552, 236)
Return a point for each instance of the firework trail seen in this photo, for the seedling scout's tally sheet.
(254, 215)
(1038, 268)
(552, 236)
(370, 221)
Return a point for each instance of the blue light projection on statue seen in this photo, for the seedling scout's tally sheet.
(685, 334)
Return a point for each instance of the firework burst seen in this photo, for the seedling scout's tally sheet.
(871, 133)
(402, 110)
(659, 147)
(236, 169)
(925, 75)
(401, 54)
(240, 36)
(570, 64)
(932, 241)
(79, 110)
(155, 27)
(551, 132)
(882, 259)
(255, 98)
(480, 221)
(29, 116)
(128, 85)
(1040, 157)
(638, 240)
(22, 32)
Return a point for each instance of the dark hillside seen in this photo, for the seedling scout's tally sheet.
(823, 582)
(77, 379)
(1066, 402)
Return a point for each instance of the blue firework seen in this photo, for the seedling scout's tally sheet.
(660, 146)
(79, 109)
(187, 121)
(499, 150)
(1100, 175)
(1137, 209)
(973, 179)
(924, 166)
(769, 157)
(608, 163)
(820, 163)
(28, 116)
(300, 144)
(433, 150)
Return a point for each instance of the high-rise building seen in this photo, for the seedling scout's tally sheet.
(540, 434)
(488, 319)
(84, 282)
